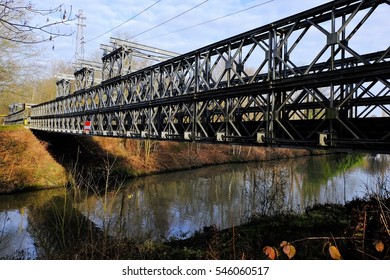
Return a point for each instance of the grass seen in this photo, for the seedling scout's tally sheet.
(354, 229)
(311, 234)
(47, 159)
(10, 127)
(328, 231)
(145, 157)
(25, 163)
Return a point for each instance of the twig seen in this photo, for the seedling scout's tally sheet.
(364, 253)
(325, 238)
(383, 214)
(234, 245)
(364, 228)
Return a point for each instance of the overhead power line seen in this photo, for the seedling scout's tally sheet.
(164, 22)
(211, 20)
(144, 10)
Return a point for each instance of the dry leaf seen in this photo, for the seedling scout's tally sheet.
(289, 250)
(284, 243)
(379, 246)
(334, 253)
(269, 252)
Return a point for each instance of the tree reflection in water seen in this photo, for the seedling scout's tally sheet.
(179, 203)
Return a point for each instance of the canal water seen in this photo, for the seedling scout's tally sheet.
(178, 204)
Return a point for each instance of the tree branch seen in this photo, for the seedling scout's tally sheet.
(15, 19)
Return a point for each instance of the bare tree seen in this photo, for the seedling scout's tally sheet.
(22, 22)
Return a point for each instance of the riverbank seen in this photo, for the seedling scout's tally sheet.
(190, 214)
(25, 163)
(356, 231)
(44, 160)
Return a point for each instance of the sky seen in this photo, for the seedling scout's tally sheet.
(140, 20)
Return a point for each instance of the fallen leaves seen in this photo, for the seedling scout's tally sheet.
(329, 249)
(379, 246)
(270, 252)
(334, 253)
(288, 249)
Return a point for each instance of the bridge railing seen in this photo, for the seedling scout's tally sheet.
(20, 117)
(302, 79)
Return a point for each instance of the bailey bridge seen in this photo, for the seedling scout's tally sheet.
(302, 81)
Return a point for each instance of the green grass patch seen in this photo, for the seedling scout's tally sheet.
(12, 127)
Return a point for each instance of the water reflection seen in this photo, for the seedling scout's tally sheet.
(177, 204)
(15, 240)
(16, 211)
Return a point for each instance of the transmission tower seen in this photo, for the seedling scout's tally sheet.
(79, 54)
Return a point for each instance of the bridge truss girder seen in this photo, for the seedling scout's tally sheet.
(250, 89)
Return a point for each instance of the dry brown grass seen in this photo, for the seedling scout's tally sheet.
(25, 162)
(167, 156)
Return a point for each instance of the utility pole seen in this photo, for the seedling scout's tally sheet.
(79, 54)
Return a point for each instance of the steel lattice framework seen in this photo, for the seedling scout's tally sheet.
(253, 88)
(19, 114)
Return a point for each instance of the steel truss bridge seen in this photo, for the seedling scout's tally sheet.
(300, 81)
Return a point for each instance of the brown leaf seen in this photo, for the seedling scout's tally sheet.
(284, 243)
(269, 252)
(379, 246)
(289, 250)
(334, 253)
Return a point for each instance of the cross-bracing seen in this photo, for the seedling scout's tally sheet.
(253, 88)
